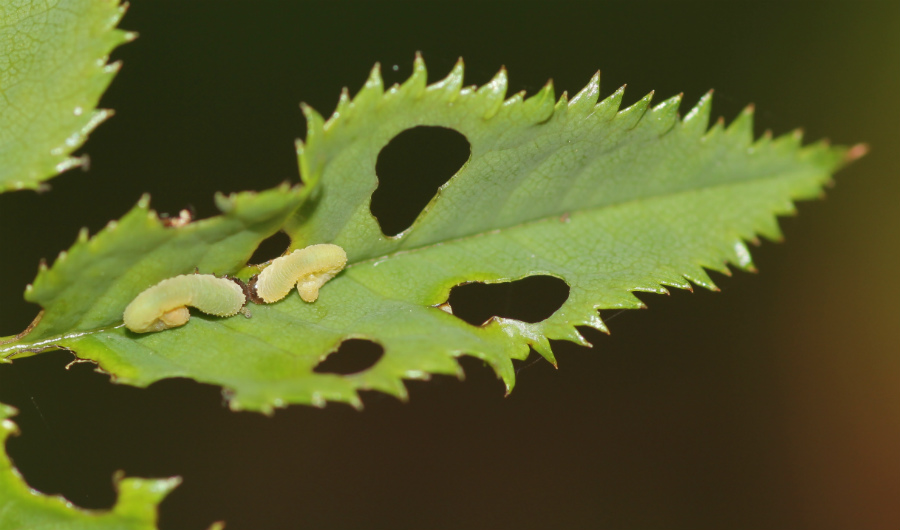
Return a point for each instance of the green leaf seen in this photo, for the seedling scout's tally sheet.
(53, 71)
(611, 201)
(89, 285)
(23, 508)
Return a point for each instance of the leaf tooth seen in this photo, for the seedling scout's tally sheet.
(585, 100)
(534, 335)
(716, 130)
(515, 99)
(372, 90)
(354, 401)
(672, 279)
(628, 300)
(696, 121)
(714, 264)
(607, 109)
(741, 129)
(542, 346)
(315, 135)
(594, 321)
(664, 115)
(300, 148)
(578, 338)
(417, 82)
(305, 162)
(764, 140)
(394, 386)
(507, 373)
(539, 107)
(134, 493)
(768, 227)
(561, 109)
(42, 266)
(83, 235)
(633, 114)
(855, 152)
(699, 277)
(342, 108)
(788, 142)
(451, 84)
(492, 93)
(315, 124)
(741, 256)
(144, 202)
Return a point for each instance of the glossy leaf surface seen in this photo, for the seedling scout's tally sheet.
(609, 200)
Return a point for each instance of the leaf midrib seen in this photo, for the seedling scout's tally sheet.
(51, 341)
(556, 215)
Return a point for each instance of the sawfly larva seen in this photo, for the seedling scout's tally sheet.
(164, 305)
(307, 268)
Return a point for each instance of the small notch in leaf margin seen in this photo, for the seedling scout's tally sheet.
(352, 357)
(531, 299)
(411, 169)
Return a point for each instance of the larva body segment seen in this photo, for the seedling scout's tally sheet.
(308, 268)
(164, 305)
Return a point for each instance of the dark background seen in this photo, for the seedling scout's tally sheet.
(773, 404)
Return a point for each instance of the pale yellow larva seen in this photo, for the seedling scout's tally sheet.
(308, 268)
(164, 305)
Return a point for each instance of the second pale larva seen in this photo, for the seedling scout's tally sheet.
(307, 268)
(164, 305)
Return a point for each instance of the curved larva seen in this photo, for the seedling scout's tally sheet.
(307, 268)
(164, 305)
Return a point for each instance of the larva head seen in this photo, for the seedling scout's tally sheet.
(139, 320)
(172, 319)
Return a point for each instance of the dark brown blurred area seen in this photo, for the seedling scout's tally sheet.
(773, 404)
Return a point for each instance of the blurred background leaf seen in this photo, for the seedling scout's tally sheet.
(67, 43)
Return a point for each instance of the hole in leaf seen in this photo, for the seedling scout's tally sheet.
(271, 247)
(410, 170)
(530, 299)
(353, 356)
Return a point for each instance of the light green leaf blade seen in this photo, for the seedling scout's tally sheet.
(23, 508)
(53, 70)
(611, 201)
(88, 286)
